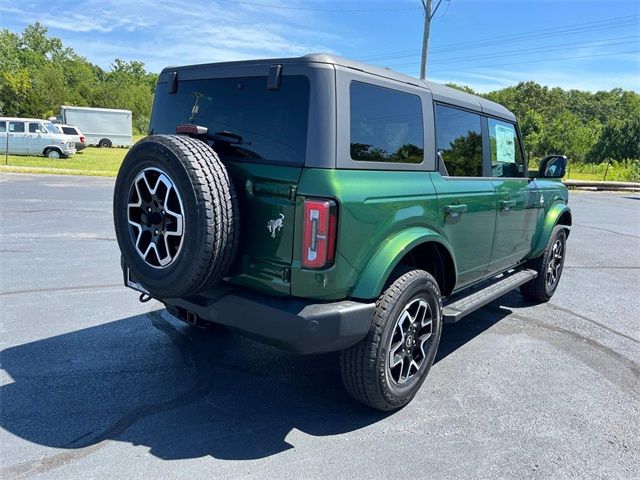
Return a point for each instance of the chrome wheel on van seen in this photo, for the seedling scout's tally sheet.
(53, 154)
(413, 329)
(156, 218)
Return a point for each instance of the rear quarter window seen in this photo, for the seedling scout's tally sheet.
(69, 131)
(265, 125)
(386, 125)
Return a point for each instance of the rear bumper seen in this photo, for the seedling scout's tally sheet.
(290, 323)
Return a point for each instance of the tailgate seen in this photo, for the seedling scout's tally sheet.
(266, 194)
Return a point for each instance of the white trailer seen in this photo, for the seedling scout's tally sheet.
(104, 127)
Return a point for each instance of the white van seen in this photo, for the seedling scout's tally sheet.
(33, 136)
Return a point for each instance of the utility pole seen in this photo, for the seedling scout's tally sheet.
(428, 15)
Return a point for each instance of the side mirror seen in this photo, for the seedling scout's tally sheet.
(553, 166)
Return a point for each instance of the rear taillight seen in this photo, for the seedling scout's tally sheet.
(81, 139)
(319, 233)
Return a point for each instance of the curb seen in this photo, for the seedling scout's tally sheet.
(601, 185)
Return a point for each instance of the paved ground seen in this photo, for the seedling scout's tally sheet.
(95, 385)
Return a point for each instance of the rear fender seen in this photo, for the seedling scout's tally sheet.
(377, 271)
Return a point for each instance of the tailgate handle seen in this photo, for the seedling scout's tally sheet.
(507, 204)
(455, 209)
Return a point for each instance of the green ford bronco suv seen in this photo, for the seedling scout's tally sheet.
(319, 204)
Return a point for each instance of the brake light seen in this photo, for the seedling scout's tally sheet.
(81, 139)
(319, 233)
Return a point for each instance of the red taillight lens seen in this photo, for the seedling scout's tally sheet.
(81, 139)
(319, 233)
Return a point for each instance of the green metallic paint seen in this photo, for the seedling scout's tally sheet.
(517, 215)
(470, 231)
(556, 197)
(265, 193)
(388, 256)
(382, 215)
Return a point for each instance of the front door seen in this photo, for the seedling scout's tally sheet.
(517, 197)
(466, 199)
(37, 138)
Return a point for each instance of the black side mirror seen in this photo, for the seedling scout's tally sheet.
(553, 166)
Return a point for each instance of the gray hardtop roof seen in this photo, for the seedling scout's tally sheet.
(441, 93)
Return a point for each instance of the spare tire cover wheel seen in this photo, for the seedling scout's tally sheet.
(176, 215)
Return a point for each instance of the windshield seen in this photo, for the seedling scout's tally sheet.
(52, 128)
(246, 121)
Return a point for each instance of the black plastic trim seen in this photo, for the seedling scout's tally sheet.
(290, 323)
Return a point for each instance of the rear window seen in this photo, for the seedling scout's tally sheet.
(69, 131)
(254, 124)
(386, 125)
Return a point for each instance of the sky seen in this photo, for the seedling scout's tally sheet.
(485, 44)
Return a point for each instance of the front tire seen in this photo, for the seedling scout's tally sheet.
(549, 267)
(387, 368)
(53, 154)
(105, 143)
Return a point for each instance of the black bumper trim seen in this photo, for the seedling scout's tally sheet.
(290, 323)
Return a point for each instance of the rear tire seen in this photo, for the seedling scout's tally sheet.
(549, 267)
(105, 143)
(176, 215)
(387, 368)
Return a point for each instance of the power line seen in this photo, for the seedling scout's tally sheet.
(596, 25)
(476, 67)
(315, 9)
(518, 52)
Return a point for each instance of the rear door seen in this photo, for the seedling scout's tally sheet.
(17, 138)
(466, 198)
(260, 134)
(517, 197)
(3, 136)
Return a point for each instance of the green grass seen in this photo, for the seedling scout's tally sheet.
(91, 161)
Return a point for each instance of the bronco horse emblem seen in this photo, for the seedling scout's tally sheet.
(275, 225)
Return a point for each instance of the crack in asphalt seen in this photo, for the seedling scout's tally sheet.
(605, 230)
(590, 320)
(49, 210)
(62, 236)
(199, 363)
(600, 267)
(576, 351)
(60, 289)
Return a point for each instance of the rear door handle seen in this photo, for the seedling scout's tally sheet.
(507, 204)
(455, 209)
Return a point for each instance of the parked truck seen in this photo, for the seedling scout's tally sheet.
(102, 127)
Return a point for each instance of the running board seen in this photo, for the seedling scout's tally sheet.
(458, 309)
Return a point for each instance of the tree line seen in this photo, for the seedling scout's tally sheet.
(38, 74)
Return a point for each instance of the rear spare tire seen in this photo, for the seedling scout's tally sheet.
(176, 215)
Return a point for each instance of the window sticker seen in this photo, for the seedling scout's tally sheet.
(505, 144)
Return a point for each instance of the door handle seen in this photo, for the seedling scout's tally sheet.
(507, 204)
(455, 209)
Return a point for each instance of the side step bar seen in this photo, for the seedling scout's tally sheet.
(458, 309)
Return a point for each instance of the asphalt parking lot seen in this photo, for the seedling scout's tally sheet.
(96, 385)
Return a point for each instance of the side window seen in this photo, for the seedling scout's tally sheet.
(386, 125)
(506, 154)
(69, 130)
(37, 128)
(16, 127)
(459, 141)
(3, 127)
